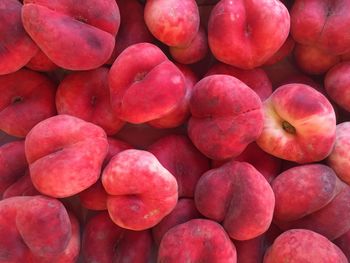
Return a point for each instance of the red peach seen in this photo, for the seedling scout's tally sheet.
(65, 155)
(299, 124)
(175, 23)
(139, 186)
(40, 62)
(22, 187)
(300, 245)
(226, 116)
(243, 33)
(344, 243)
(283, 52)
(27, 98)
(86, 95)
(198, 240)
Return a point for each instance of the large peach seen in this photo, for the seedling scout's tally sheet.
(226, 116)
(86, 95)
(89, 33)
(27, 98)
(178, 155)
(173, 22)
(237, 195)
(65, 155)
(139, 186)
(322, 24)
(198, 240)
(144, 84)
(339, 159)
(300, 245)
(16, 48)
(299, 124)
(243, 33)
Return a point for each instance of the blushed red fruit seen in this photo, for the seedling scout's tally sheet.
(322, 24)
(256, 79)
(16, 47)
(226, 116)
(243, 33)
(237, 195)
(13, 164)
(337, 83)
(184, 211)
(302, 190)
(38, 229)
(178, 155)
(95, 197)
(313, 60)
(89, 33)
(198, 240)
(283, 51)
(299, 124)
(22, 187)
(250, 251)
(144, 84)
(193, 52)
(321, 204)
(339, 159)
(27, 98)
(105, 242)
(175, 23)
(300, 245)
(65, 155)
(86, 95)
(181, 112)
(139, 186)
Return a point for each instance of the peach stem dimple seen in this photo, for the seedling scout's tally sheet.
(288, 127)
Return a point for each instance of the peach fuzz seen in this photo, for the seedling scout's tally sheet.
(198, 240)
(38, 229)
(337, 83)
(173, 22)
(178, 155)
(27, 98)
(22, 187)
(184, 211)
(300, 245)
(339, 159)
(86, 95)
(95, 197)
(284, 51)
(256, 79)
(181, 112)
(13, 164)
(237, 195)
(144, 84)
(313, 60)
(105, 242)
(68, 158)
(243, 33)
(89, 32)
(322, 24)
(226, 116)
(194, 52)
(16, 48)
(141, 187)
(299, 124)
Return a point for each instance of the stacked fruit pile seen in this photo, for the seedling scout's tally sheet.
(174, 131)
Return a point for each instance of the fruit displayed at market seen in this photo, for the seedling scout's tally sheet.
(192, 131)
